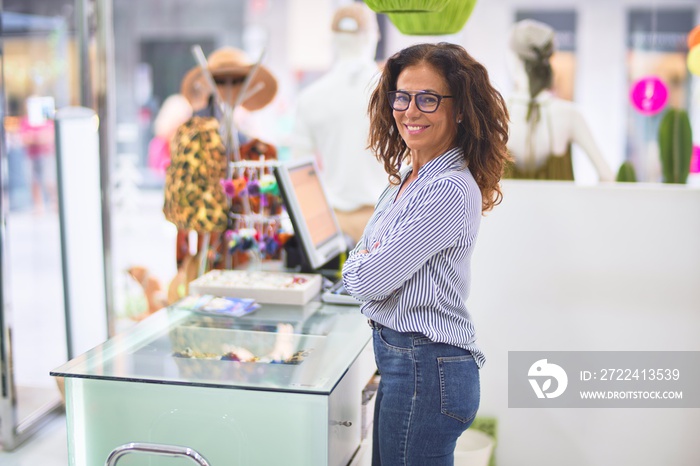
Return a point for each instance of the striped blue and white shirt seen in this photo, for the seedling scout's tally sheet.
(416, 276)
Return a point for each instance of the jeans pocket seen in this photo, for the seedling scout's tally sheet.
(393, 340)
(459, 387)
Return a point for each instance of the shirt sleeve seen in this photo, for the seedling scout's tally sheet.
(435, 219)
(361, 243)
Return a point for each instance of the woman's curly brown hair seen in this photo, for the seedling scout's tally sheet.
(483, 132)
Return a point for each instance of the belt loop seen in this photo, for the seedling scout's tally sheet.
(373, 325)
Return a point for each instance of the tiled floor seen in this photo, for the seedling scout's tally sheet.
(47, 448)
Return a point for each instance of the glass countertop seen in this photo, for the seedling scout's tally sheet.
(277, 347)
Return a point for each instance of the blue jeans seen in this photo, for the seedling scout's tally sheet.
(428, 395)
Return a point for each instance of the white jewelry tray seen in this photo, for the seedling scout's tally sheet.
(263, 287)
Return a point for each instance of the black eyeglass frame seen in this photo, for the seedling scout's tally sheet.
(390, 95)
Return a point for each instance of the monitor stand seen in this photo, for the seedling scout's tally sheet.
(295, 260)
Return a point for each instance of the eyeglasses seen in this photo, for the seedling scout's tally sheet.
(427, 102)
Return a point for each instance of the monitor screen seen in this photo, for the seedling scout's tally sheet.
(315, 225)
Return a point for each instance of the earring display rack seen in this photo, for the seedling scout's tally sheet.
(259, 220)
(255, 207)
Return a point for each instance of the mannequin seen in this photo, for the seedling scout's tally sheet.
(332, 125)
(542, 126)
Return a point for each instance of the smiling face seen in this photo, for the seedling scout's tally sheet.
(428, 135)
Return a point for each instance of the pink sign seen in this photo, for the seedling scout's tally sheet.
(695, 160)
(649, 95)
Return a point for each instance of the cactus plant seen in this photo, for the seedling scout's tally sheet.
(675, 145)
(626, 173)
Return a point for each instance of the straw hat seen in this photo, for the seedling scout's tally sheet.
(229, 62)
(355, 18)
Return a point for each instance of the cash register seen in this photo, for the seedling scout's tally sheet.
(318, 240)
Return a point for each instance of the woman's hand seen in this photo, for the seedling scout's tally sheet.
(365, 251)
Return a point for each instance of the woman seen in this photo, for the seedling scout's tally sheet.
(435, 109)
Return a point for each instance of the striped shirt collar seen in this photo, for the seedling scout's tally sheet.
(450, 160)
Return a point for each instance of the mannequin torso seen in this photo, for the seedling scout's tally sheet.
(332, 125)
(554, 125)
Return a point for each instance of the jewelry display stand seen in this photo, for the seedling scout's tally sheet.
(252, 231)
(264, 287)
(254, 179)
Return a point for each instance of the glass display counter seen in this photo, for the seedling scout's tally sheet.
(280, 386)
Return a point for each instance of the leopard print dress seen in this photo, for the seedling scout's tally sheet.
(194, 197)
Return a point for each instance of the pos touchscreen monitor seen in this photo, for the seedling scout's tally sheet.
(315, 226)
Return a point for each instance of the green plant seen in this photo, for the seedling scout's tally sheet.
(489, 426)
(675, 145)
(626, 173)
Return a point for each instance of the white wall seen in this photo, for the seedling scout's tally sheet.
(560, 267)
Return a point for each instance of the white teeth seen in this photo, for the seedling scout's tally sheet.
(413, 128)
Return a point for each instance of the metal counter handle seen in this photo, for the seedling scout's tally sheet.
(156, 449)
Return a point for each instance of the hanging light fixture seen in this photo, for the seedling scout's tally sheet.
(649, 95)
(450, 20)
(413, 6)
